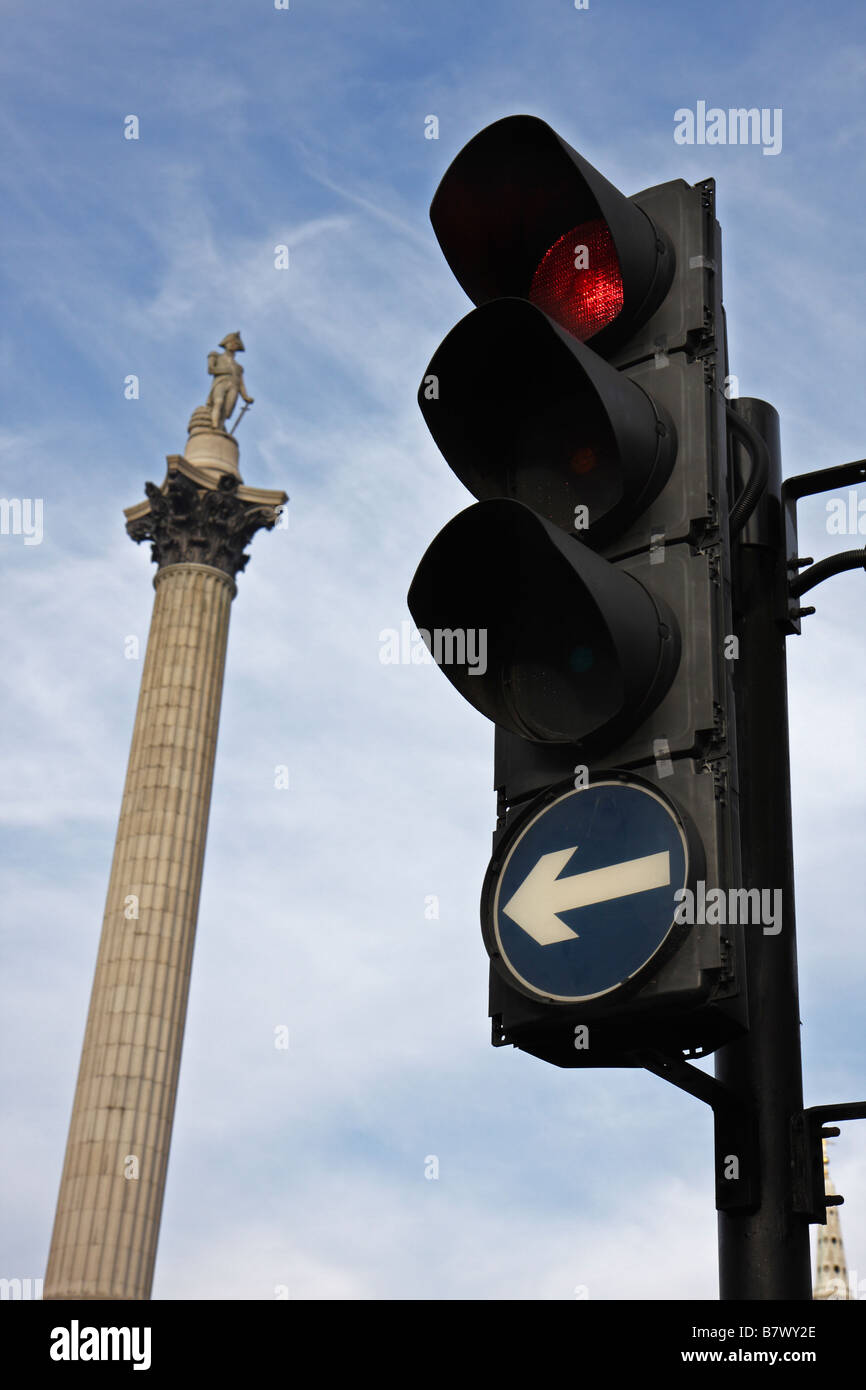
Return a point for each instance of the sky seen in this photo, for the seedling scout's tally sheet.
(304, 1168)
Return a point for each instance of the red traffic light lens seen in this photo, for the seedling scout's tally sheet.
(579, 281)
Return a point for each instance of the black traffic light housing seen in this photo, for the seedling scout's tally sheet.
(583, 404)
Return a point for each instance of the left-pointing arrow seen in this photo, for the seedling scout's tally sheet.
(542, 894)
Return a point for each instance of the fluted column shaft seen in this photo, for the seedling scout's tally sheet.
(110, 1202)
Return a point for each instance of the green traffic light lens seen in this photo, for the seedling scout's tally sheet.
(581, 659)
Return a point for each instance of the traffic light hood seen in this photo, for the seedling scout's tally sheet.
(513, 193)
(521, 409)
(576, 651)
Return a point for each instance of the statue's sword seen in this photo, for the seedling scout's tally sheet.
(238, 420)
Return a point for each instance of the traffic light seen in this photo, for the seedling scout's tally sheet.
(582, 402)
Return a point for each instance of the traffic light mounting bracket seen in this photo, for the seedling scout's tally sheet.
(737, 1166)
(809, 485)
(808, 1129)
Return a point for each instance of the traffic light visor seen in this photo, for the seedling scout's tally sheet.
(521, 409)
(519, 212)
(544, 637)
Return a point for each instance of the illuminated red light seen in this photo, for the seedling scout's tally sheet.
(579, 282)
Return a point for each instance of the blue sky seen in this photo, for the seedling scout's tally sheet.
(305, 127)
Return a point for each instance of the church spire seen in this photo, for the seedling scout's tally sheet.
(831, 1272)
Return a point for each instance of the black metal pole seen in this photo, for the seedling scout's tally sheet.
(764, 1251)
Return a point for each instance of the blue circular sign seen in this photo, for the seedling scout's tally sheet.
(585, 897)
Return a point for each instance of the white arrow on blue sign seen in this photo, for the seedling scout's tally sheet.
(543, 894)
(585, 897)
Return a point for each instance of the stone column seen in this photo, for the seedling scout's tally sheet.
(111, 1192)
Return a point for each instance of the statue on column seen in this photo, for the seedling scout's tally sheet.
(228, 381)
